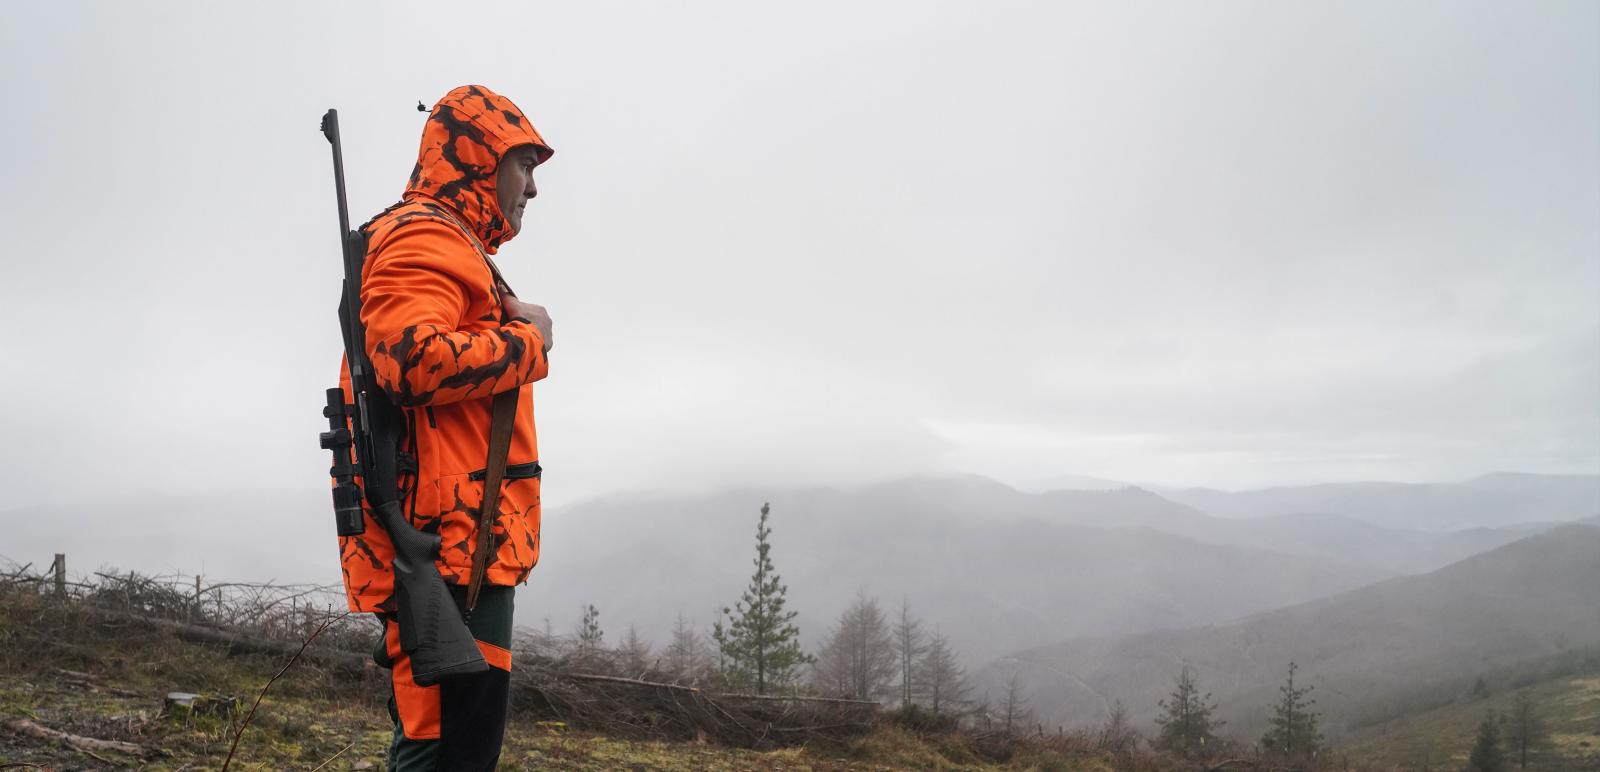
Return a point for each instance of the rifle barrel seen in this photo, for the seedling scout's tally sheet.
(330, 129)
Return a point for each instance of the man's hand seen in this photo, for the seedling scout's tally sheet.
(530, 313)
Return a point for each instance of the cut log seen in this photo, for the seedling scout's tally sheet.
(782, 698)
(629, 681)
(723, 695)
(91, 682)
(652, 709)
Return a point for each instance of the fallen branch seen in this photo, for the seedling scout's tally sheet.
(87, 745)
(1251, 764)
(334, 756)
(630, 681)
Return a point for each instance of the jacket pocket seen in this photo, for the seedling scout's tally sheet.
(515, 539)
(458, 502)
(513, 472)
(519, 551)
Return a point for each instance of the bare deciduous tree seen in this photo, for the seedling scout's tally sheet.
(944, 682)
(686, 655)
(909, 646)
(634, 654)
(1525, 728)
(1117, 734)
(1014, 712)
(858, 659)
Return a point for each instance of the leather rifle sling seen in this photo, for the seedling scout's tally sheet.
(500, 425)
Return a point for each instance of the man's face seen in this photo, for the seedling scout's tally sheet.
(513, 184)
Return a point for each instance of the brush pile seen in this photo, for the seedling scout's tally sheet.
(655, 710)
(583, 689)
(248, 617)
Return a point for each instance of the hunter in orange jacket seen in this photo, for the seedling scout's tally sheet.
(432, 304)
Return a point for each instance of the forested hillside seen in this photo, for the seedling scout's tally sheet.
(1363, 650)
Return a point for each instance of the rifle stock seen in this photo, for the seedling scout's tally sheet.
(432, 631)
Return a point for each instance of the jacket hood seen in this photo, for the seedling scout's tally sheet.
(466, 135)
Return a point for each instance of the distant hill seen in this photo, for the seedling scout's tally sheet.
(1396, 527)
(1337, 537)
(1070, 482)
(1347, 538)
(995, 569)
(1532, 598)
(1491, 501)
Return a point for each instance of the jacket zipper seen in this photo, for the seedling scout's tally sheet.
(416, 478)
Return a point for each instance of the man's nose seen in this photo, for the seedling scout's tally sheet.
(531, 190)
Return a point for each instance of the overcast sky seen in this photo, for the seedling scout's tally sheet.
(1232, 244)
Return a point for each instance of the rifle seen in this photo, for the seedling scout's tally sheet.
(432, 631)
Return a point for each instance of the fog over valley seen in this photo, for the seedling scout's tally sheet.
(998, 570)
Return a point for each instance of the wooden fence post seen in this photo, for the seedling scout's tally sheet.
(60, 568)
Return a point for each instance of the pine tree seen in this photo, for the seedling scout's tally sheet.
(1187, 725)
(590, 636)
(1525, 728)
(1486, 755)
(1294, 732)
(944, 682)
(760, 643)
(719, 633)
(909, 647)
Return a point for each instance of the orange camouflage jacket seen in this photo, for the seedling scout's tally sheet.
(432, 312)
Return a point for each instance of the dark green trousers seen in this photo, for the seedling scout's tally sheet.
(457, 725)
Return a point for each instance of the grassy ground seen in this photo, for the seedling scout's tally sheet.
(93, 676)
(1442, 738)
(300, 729)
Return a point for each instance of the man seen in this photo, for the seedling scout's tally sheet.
(445, 335)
